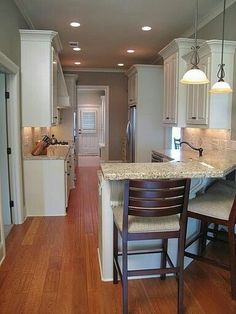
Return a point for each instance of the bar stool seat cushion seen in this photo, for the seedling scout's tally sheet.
(146, 224)
(216, 202)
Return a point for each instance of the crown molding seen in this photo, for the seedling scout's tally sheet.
(76, 69)
(209, 17)
(20, 5)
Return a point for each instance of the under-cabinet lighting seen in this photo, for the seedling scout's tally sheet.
(76, 49)
(120, 64)
(77, 63)
(130, 51)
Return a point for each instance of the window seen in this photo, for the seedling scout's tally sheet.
(88, 121)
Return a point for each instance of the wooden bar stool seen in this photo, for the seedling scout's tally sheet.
(217, 206)
(153, 209)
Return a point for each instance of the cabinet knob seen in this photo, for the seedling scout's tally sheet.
(167, 118)
(68, 174)
(194, 118)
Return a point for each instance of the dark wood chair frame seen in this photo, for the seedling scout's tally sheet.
(152, 198)
(203, 236)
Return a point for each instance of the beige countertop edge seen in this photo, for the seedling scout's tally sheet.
(53, 154)
(213, 164)
(147, 171)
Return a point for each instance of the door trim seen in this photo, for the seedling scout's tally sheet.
(13, 86)
(106, 89)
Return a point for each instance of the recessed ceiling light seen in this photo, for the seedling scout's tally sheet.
(74, 24)
(77, 63)
(130, 51)
(120, 64)
(146, 28)
(76, 49)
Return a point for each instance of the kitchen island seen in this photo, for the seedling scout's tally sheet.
(111, 183)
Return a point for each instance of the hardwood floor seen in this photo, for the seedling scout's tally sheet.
(52, 267)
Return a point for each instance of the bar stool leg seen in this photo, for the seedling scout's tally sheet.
(202, 240)
(163, 256)
(232, 248)
(180, 278)
(125, 276)
(115, 253)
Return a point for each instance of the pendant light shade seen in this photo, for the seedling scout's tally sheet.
(195, 75)
(221, 87)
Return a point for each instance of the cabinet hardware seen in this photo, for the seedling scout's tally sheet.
(167, 118)
(194, 118)
(68, 174)
(8, 150)
(67, 161)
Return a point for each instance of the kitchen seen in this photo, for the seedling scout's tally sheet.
(117, 81)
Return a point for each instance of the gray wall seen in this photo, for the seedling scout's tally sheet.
(10, 21)
(118, 111)
(213, 30)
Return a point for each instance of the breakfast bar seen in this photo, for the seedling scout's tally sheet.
(201, 170)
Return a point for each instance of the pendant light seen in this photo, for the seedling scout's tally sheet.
(195, 75)
(221, 87)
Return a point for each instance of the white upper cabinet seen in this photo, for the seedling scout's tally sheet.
(170, 89)
(205, 109)
(198, 97)
(62, 92)
(132, 87)
(40, 78)
(193, 105)
(174, 112)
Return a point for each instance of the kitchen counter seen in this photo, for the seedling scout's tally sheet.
(184, 164)
(53, 152)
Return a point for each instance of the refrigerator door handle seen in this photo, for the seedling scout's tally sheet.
(128, 132)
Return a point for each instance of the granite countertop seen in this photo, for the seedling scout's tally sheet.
(185, 164)
(53, 152)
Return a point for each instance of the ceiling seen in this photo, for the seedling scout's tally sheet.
(110, 27)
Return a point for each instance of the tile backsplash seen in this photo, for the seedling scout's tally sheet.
(31, 135)
(210, 139)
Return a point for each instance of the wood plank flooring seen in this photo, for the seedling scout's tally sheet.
(52, 267)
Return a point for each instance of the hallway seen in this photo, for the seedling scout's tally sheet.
(52, 267)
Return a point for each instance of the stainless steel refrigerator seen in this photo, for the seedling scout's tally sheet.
(130, 134)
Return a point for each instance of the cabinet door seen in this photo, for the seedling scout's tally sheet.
(132, 89)
(55, 117)
(70, 80)
(170, 90)
(198, 98)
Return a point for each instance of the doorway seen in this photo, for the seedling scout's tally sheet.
(5, 164)
(12, 78)
(92, 121)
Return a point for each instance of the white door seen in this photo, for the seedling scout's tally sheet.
(4, 161)
(88, 131)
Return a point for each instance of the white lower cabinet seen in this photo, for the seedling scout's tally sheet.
(46, 187)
